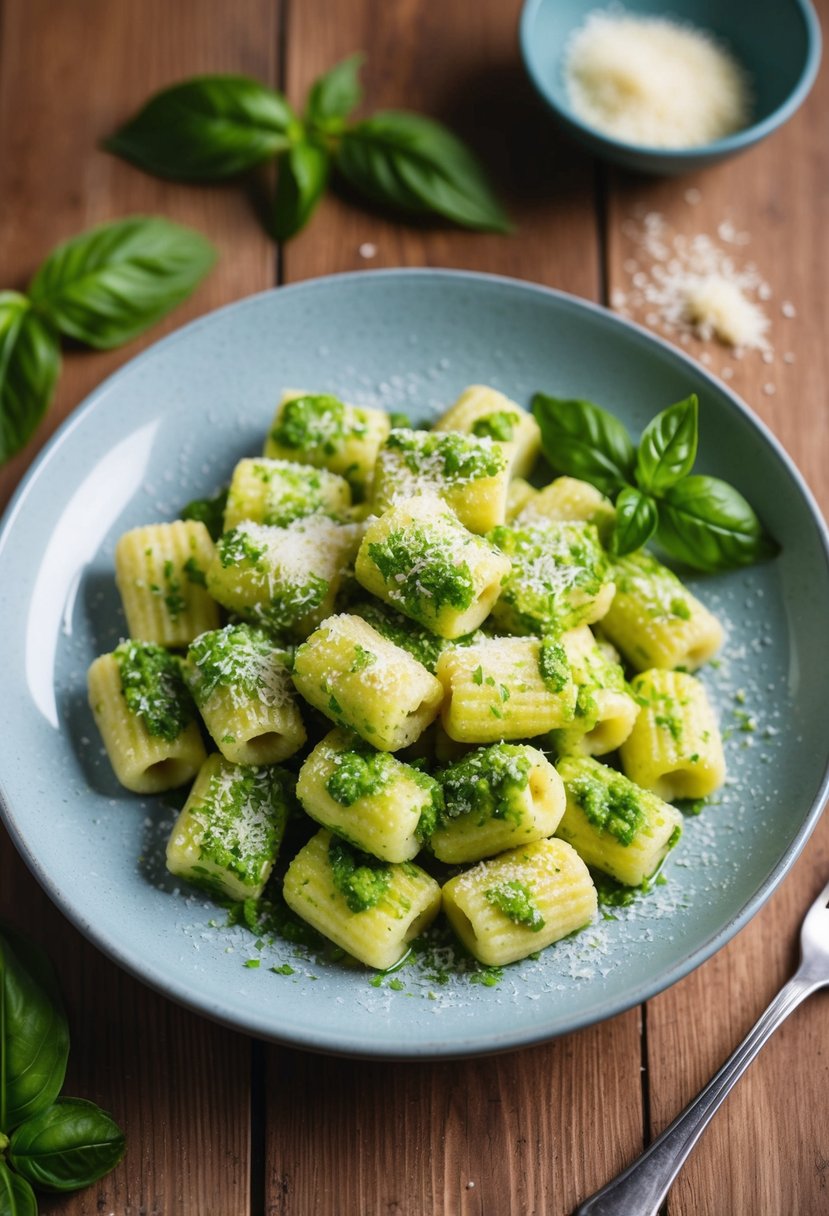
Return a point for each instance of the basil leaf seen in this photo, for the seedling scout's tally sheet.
(636, 520)
(68, 1146)
(16, 1196)
(334, 95)
(416, 164)
(707, 524)
(34, 1037)
(668, 447)
(585, 441)
(29, 366)
(108, 285)
(303, 176)
(205, 129)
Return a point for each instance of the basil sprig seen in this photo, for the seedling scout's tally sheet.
(101, 288)
(213, 127)
(700, 520)
(56, 1144)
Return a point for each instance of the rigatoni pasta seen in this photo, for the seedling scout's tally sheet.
(486, 413)
(324, 431)
(605, 708)
(277, 492)
(161, 573)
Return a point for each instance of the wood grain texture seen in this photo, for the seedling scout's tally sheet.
(344, 1136)
(69, 74)
(768, 1148)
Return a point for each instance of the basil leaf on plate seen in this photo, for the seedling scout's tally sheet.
(16, 1196)
(34, 1036)
(303, 175)
(335, 94)
(708, 524)
(668, 447)
(416, 164)
(109, 284)
(206, 129)
(583, 440)
(636, 520)
(29, 366)
(68, 1146)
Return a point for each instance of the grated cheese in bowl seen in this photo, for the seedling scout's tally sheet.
(654, 81)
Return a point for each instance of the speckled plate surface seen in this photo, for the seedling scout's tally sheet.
(169, 426)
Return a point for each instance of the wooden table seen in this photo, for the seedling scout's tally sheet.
(217, 1124)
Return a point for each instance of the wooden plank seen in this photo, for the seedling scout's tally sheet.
(768, 1148)
(345, 1136)
(68, 75)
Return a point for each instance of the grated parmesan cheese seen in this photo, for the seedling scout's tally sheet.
(654, 81)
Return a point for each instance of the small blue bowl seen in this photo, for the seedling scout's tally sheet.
(777, 41)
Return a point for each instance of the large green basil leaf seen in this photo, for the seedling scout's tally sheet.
(68, 1146)
(417, 165)
(29, 366)
(16, 1196)
(108, 285)
(707, 524)
(34, 1037)
(583, 440)
(206, 129)
(335, 94)
(668, 447)
(635, 524)
(303, 174)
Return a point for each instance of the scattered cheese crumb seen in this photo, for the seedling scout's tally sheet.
(653, 81)
(716, 307)
(367, 250)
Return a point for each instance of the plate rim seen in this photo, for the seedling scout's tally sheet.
(350, 1044)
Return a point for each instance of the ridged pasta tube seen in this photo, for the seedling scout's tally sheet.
(496, 798)
(369, 798)
(371, 909)
(613, 824)
(420, 559)
(283, 578)
(161, 572)
(228, 834)
(558, 578)
(362, 681)
(146, 717)
(655, 621)
(520, 902)
(675, 748)
(242, 685)
(520, 492)
(470, 475)
(485, 412)
(323, 431)
(567, 499)
(505, 688)
(278, 491)
(605, 709)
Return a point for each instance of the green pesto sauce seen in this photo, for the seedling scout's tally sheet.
(208, 511)
(360, 772)
(239, 657)
(422, 644)
(291, 603)
(614, 808)
(154, 688)
(361, 879)
(552, 664)
(515, 900)
(557, 571)
(486, 783)
(244, 814)
(236, 547)
(174, 601)
(499, 425)
(194, 573)
(316, 425)
(446, 454)
(431, 577)
(292, 493)
(363, 658)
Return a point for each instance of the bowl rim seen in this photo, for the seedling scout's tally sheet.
(334, 1041)
(719, 148)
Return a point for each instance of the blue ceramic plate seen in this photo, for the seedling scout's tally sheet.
(169, 426)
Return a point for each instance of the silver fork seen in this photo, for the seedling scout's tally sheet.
(640, 1189)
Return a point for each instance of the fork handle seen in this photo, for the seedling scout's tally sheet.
(640, 1189)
